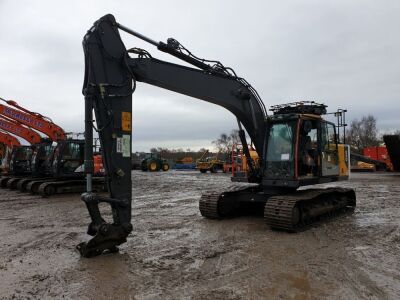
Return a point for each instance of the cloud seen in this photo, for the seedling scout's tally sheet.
(343, 53)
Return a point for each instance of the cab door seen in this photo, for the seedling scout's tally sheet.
(329, 150)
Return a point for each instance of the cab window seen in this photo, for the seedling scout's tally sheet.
(280, 142)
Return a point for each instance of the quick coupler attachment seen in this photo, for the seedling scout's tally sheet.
(106, 236)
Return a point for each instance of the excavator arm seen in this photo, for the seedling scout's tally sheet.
(110, 79)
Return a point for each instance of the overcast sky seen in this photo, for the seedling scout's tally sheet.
(342, 53)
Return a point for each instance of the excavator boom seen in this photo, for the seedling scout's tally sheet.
(19, 130)
(9, 140)
(222, 90)
(32, 119)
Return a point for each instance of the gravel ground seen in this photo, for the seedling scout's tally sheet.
(174, 253)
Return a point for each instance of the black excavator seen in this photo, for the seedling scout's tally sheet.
(296, 146)
(46, 170)
(60, 170)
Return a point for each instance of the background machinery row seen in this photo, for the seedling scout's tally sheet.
(48, 165)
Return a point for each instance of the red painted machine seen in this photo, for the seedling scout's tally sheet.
(379, 153)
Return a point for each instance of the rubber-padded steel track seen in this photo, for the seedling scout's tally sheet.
(4, 180)
(49, 188)
(208, 205)
(217, 205)
(12, 183)
(278, 212)
(297, 211)
(21, 185)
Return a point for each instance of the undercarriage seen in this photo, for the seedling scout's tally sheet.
(289, 211)
(48, 186)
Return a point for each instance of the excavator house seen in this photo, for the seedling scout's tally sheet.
(296, 147)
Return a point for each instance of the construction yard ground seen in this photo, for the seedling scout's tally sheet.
(175, 253)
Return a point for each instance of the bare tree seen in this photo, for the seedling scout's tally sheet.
(222, 143)
(363, 133)
(153, 150)
(225, 142)
(235, 136)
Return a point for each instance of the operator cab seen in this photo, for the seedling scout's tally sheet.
(5, 162)
(302, 148)
(20, 162)
(3, 149)
(42, 158)
(69, 158)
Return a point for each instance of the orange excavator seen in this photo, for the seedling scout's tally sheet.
(19, 162)
(54, 169)
(42, 156)
(7, 143)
